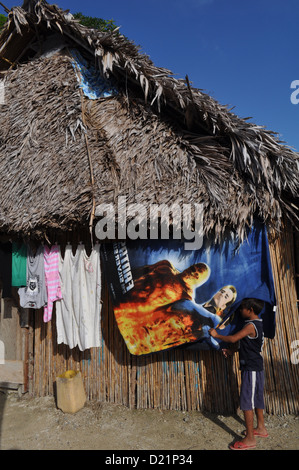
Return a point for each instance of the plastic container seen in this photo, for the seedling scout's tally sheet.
(70, 391)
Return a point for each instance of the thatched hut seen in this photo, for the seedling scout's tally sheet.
(154, 139)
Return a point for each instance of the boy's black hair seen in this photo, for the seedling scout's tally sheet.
(256, 305)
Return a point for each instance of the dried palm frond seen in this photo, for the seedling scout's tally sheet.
(159, 140)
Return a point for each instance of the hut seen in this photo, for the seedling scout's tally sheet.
(70, 142)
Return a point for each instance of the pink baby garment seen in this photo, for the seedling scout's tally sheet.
(51, 261)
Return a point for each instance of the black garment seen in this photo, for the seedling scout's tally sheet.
(5, 268)
(250, 348)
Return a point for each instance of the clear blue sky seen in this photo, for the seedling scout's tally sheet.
(244, 53)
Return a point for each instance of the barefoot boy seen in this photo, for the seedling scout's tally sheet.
(250, 338)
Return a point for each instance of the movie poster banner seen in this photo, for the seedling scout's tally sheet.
(165, 296)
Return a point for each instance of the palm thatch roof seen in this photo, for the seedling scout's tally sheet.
(157, 140)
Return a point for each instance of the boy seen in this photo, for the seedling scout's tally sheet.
(251, 338)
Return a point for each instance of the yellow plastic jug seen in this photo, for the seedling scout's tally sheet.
(70, 391)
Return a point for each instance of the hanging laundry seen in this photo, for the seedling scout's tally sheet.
(5, 269)
(87, 296)
(51, 262)
(78, 313)
(34, 295)
(19, 264)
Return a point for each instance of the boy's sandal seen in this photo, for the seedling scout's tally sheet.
(256, 434)
(239, 445)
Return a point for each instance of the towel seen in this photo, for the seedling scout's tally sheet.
(52, 279)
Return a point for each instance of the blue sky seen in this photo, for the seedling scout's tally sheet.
(244, 53)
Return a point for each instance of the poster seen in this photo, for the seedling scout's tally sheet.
(165, 296)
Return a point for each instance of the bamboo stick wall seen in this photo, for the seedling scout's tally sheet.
(176, 379)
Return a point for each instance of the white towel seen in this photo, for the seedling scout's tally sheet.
(78, 313)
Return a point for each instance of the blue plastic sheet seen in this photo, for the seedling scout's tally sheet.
(93, 85)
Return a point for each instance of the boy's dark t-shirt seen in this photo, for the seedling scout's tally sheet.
(250, 348)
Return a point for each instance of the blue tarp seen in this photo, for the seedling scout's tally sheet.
(94, 86)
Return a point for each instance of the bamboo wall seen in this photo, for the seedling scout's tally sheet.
(175, 379)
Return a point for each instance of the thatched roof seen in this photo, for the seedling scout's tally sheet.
(157, 140)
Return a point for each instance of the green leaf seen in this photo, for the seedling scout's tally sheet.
(95, 23)
(2, 21)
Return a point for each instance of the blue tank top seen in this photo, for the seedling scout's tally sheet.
(251, 347)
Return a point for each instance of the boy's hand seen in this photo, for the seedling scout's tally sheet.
(213, 332)
(227, 352)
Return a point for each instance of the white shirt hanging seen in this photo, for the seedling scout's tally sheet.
(78, 313)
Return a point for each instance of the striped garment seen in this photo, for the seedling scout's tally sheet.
(51, 261)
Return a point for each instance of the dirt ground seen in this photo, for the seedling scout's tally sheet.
(28, 423)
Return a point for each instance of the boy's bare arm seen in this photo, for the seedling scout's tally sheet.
(248, 330)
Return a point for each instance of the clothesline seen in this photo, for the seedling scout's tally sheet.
(70, 280)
